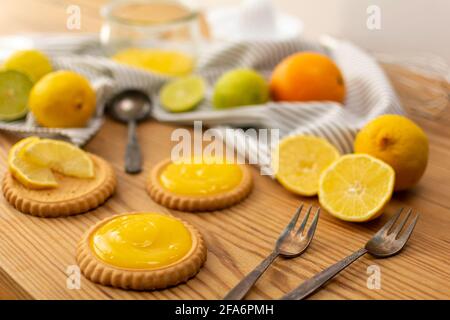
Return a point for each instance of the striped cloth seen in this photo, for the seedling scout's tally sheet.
(369, 93)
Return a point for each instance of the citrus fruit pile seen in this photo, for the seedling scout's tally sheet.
(239, 87)
(33, 160)
(304, 76)
(57, 99)
(391, 153)
(19, 72)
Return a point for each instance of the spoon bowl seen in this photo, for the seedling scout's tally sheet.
(130, 106)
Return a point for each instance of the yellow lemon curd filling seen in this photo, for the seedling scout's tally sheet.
(204, 178)
(173, 63)
(141, 241)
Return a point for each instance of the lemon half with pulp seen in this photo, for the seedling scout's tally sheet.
(356, 187)
(299, 162)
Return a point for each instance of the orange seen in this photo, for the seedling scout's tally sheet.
(307, 76)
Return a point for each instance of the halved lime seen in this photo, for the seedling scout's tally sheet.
(182, 94)
(14, 91)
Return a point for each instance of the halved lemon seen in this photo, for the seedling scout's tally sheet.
(27, 173)
(299, 162)
(356, 187)
(60, 156)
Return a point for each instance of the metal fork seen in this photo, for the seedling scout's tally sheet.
(290, 244)
(385, 243)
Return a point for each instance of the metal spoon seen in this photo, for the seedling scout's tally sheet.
(130, 106)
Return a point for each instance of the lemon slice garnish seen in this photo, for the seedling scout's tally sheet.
(61, 157)
(29, 174)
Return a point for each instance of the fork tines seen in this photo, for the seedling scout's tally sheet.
(290, 227)
(395, 225)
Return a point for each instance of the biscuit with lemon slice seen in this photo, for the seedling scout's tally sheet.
(48, 181)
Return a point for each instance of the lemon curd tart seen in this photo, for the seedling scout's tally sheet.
(141, 251)
(199, 185)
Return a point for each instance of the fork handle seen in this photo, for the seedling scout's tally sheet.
(244, 286)
(312, 284)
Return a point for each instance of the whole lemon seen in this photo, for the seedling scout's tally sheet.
(62, 99)
(307, 76)
(33, 63)
(240, 87)
(399, 142)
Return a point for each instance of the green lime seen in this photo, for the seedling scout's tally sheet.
(14, 91)
(240, 87)
(182, 94)
(33, 63)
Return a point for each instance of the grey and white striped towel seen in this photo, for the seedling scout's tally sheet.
(369, 93)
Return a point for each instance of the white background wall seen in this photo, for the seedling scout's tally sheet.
(407, 26)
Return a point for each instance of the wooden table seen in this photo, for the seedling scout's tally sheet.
(35, 252)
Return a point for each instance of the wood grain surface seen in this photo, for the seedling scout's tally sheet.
(35, 252)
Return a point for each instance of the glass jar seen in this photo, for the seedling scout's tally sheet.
(148, 33)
